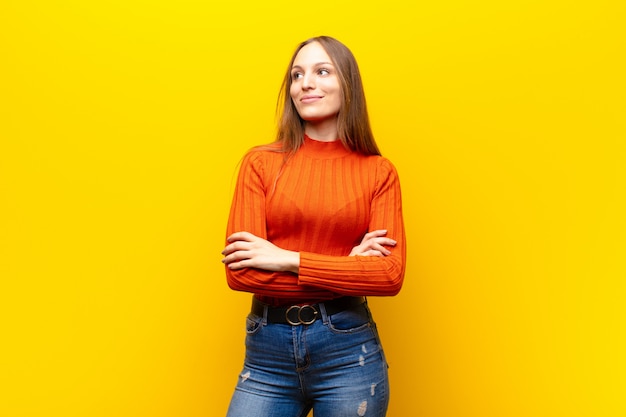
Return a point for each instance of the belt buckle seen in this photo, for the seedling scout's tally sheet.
(300, 320)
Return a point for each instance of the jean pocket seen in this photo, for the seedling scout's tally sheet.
(253, 323)
(350, 321)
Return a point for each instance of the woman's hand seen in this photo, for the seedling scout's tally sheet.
(245, 250)
(373, 244)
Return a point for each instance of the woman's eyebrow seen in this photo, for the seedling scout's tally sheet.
(315, 65)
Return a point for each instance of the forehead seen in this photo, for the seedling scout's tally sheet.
(311, 54)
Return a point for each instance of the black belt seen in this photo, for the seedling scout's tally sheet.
(305, 314)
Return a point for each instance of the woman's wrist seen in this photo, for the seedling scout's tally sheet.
(293, 262)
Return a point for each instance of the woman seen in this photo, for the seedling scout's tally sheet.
(315, 226)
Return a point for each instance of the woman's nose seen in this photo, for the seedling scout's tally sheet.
(308, 82)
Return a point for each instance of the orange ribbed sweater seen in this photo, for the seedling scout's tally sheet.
(320, 203)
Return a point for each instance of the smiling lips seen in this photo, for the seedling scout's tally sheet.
(310, 99)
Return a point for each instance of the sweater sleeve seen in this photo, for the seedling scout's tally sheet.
(247, 213)
(366, 275)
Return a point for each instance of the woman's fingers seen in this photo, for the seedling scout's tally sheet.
(374, 234)
(239, 244)
(378, 236)
(378, 243)
(240, 241)
(245, 250)
(245, 236)
(236, 246)
(374, 243)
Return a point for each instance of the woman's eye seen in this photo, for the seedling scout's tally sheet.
(324, 71)
(296, 75)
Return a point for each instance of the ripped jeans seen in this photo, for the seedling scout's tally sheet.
(335, 366)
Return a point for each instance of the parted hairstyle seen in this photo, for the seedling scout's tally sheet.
(353, 125)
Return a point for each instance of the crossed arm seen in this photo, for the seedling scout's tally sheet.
(245, 250)
(254, 262)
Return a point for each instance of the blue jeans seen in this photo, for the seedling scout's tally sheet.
(335, 366)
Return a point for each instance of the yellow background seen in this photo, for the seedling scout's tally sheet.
(121, 126)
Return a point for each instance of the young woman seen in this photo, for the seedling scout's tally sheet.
(315, 226)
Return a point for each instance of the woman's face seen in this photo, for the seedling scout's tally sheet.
(315, 88)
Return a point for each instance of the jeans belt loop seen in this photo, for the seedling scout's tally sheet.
(298, 319)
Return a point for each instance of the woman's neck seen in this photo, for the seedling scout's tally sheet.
(325, 131)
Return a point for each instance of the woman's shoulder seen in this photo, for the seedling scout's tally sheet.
(385, 170)
(270, 150)
(263, 158)
(381, 162)
(268, 147)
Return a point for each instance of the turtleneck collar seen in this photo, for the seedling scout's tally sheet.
(323, 150)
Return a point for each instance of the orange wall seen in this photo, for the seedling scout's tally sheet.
(121, 126)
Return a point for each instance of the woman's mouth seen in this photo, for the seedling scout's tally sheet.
(310, 99)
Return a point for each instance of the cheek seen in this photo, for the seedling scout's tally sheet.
(293, 91)
(333, 88)
(337, 96)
